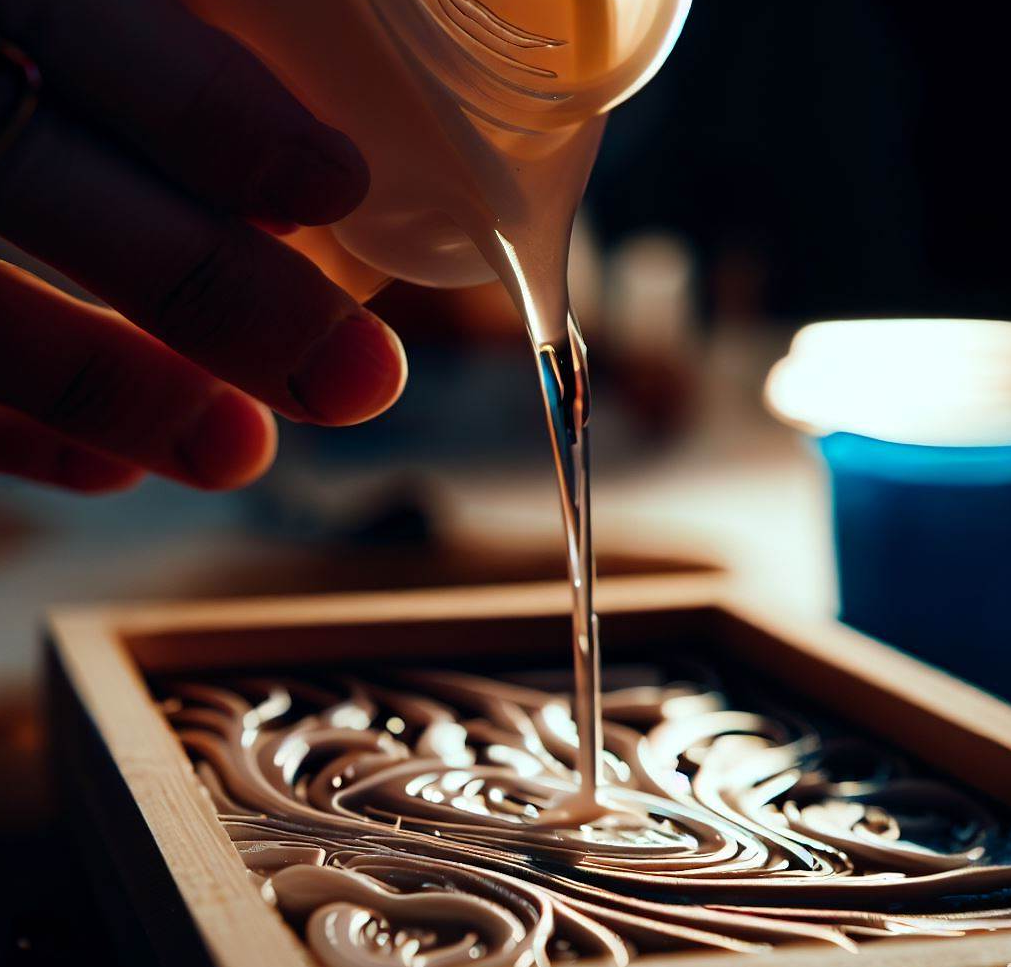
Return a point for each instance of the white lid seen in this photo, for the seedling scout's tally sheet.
(935, 382)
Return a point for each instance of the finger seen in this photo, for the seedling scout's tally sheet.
(232, 298)
(199, 105)
(33, 451)
(93, 378)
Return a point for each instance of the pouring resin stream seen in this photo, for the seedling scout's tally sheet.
(480, 123)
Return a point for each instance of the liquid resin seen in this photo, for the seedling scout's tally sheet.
(403, 820)
(480, 123)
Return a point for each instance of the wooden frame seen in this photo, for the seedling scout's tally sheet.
(148, 821)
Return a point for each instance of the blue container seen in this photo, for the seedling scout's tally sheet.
(923, 549)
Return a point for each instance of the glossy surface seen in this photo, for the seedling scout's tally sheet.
(480, 123)
(470, 115)
(415, 822)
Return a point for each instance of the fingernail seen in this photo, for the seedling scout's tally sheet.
(355, 372)
(229, 444)
(315, 183)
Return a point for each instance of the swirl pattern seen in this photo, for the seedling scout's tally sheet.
(431, 821)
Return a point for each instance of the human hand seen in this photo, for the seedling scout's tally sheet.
(156, 141)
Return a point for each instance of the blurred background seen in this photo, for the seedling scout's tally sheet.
(793, 161)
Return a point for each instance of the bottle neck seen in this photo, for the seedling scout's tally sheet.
(359, 280)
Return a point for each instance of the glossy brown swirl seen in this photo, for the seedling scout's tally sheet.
(436, 822)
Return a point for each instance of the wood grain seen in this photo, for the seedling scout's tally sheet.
(100, 655)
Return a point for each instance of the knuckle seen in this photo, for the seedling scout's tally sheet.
(222, 109)
(90, 398)
(243, 116)
(208, 303)
(204, 103)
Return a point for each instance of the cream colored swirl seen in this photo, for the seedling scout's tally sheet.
(426, 821)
